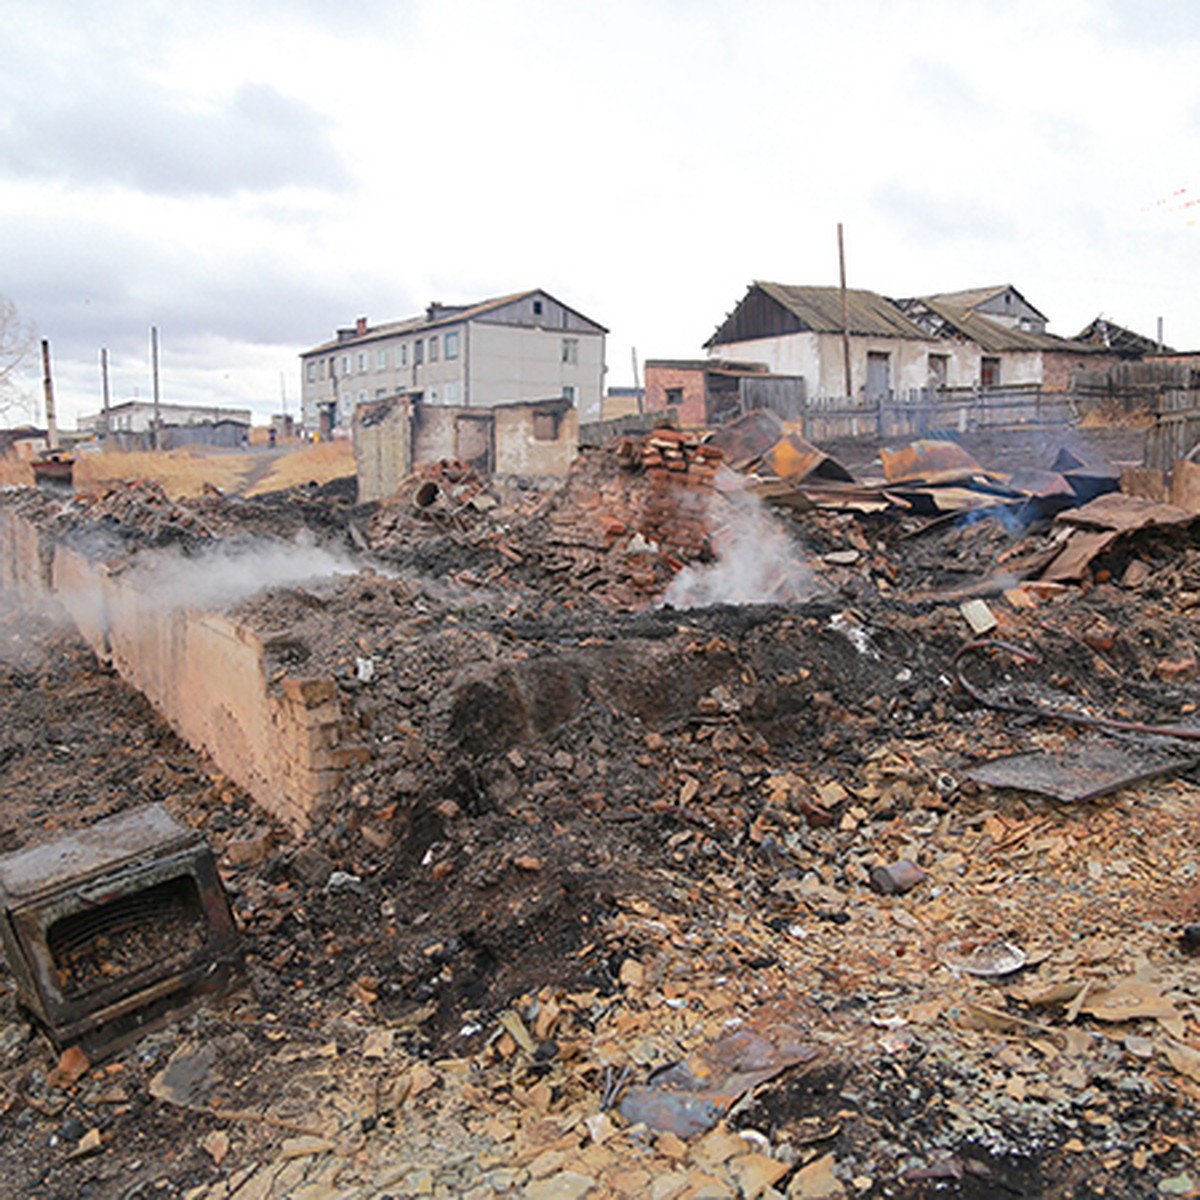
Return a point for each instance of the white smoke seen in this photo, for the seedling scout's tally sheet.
(756, 562)
(226, 574)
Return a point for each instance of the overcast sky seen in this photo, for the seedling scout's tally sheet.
(248, 177)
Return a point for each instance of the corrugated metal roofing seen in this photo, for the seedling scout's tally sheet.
(994, 337)
(974, 297)
(1110, 335)
(820, 309)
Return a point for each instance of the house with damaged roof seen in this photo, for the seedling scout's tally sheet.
(989, 337)
(800, 331)
(1125, 343)
(1001, 339)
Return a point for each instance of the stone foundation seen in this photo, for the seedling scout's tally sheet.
(285, 742)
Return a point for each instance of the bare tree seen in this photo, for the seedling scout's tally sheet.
(17, 341)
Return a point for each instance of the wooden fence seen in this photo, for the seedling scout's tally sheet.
(1170, 394)
(923, 411)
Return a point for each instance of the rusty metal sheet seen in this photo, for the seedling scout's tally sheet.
(941, 501)
(928, 460)
(1087, 477)
(839, 497)
(749, 437)
(1077, 554)
(1084, 772)
(1042, 484)
(1125, 513)
(83, 853)
(795, 460)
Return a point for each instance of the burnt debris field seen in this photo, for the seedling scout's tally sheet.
(687, 830)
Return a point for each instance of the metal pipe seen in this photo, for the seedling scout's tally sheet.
(48, 390)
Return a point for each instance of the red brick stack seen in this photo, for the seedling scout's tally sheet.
(682, 476)
(633, 514)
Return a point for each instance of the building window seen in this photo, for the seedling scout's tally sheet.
(537, 308)
(989, 372)
(939, 370)
(418, 352)
(450, 391)
(450, 344)
(433, 395)
(324, 362)
(362, 397)
(381, 360)
(362, 361)
(402, 355)
(569, 392)
(345, 365)
(570, 350)
(433, 347)
(310, 371)
(545, 427)
(674, 397)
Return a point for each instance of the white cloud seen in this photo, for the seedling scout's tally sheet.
(249, 179)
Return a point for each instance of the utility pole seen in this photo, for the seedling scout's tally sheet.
(641, 400)
(48, 390)
(845, 312)
(104, 390)
(154, 376)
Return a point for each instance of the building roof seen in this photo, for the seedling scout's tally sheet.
(726, 365)
(820, 308)
(437, 315)
(817, 310)
(972, 298)
(1111, 336)
(943, 319)
(21, 433)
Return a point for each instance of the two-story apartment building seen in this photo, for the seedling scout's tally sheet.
(511, 349)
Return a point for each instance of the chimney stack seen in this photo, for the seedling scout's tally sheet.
(360, 326)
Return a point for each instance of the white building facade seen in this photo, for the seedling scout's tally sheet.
(512, 349)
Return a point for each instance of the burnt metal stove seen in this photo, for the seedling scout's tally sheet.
(111, 929)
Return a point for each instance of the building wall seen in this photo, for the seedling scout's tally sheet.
(818, 359)
(508, 363)
(434, 434)
(393, 436)
(693, 412)
(1058, 369)
(523, 447)
(496, 362)
(1007, 308)
(137, 416)
(540, 310)
(620, 405)
(382, 451)
(1016, 366)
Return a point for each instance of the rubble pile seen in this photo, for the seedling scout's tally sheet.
(637, 901)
